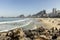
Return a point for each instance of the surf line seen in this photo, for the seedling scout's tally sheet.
(13, 21)
(26, 24)
(18, 26)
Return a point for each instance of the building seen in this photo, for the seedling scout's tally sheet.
(58, 11)
(40, 14)
(54, 11)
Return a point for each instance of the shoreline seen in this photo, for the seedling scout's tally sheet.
(46, 22)
(44, 31)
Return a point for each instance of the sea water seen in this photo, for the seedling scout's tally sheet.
(11, 23)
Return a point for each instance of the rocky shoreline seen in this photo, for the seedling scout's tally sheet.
(36, 34)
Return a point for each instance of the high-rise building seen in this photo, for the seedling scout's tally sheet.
(58, 11)
(54, 11)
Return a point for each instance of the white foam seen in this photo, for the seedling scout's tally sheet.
(13, 21)
(26, 24)
(17, 26)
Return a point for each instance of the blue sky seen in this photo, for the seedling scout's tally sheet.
(26, 7)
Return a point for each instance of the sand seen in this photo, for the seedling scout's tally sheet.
(50, 22)
(22, 34)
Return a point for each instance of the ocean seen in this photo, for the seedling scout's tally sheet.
(12, 23)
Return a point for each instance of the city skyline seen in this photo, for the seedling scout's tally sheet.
(26, 7)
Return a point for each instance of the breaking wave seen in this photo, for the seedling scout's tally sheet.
(25, 23)
(13, 21)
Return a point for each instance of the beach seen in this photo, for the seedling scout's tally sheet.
(50, 22)
(39, 29)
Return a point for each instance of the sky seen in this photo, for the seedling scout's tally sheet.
(27, 7)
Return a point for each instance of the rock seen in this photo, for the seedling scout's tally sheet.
(58, 38)
(54, 37)
(36, 34)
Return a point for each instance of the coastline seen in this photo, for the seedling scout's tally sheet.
(46, 22)
(41, 32)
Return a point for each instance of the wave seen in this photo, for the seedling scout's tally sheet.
(17, 27)
(13, 21)
(26, 24)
